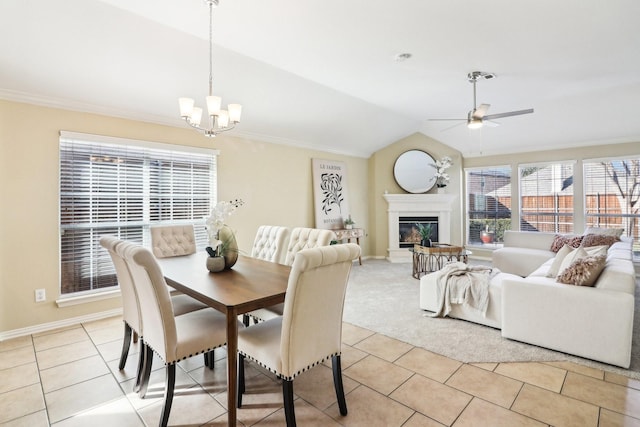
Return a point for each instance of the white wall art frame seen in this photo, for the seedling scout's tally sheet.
(330, 193)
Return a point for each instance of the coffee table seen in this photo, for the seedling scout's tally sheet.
(433, 258)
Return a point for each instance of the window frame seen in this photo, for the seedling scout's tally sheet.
(156, 162)
(498, 227)
(557, 214)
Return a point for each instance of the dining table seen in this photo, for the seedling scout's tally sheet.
(249, 285)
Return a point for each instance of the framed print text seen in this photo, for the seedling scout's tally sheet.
(330, 193)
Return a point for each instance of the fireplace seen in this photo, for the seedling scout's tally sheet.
(408, 233)
(432, 208)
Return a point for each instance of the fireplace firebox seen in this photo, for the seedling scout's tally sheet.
(408, 231)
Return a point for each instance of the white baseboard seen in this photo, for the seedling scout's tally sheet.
(43, 327)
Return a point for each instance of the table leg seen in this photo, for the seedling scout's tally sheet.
(232, 358)
(360, 256)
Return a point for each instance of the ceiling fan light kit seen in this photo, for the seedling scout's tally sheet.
(219, 120)
(478, 117)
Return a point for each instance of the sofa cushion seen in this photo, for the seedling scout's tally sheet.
(599, 240)
(584, 271)
(560, 240)
(571, 258)
(554, 268)
(604, 231)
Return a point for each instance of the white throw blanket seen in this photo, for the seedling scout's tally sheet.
(459, 283)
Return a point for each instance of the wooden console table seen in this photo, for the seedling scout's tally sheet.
(348, 234)
(430, 259)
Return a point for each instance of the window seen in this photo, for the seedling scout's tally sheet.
(121, 187)
(489, 204)
(612, 195)
(546, 197)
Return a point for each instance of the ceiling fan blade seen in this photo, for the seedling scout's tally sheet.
(479, 112)
(489, 123)
(508, 114)
(440, 120)
(451, 127)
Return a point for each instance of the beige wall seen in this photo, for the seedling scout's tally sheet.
(382, 180)
(273, 180)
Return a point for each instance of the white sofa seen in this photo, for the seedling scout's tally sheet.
(592, 322)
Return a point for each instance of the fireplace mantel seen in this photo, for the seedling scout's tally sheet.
(438, 205)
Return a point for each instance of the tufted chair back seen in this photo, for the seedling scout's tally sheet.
(305, 238)
(270, 243)
(130, 309)
(172, 240)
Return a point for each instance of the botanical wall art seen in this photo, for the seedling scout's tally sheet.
(330, 193)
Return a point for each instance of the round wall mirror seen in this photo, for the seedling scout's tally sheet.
(415, 171)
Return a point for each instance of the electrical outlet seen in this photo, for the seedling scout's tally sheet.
(40, 295)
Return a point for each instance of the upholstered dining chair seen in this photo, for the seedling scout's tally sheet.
(310, 329)
(270, 243)
(130, 308)
(172, 240)
(172, 338)
(301, 238)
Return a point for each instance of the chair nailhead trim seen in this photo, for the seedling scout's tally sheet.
(279, 375)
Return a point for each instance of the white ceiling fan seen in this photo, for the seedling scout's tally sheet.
(478, 117)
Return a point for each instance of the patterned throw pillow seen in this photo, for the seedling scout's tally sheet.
(560, 240)
(599, 240)
(584, 271)
(605, 231)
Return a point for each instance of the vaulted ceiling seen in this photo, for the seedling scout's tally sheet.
(324, 74)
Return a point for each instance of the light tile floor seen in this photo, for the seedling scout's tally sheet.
(70, 377)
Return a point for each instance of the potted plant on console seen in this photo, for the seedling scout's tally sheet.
(348, 223)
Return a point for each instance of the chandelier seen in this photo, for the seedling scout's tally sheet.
(218, 120)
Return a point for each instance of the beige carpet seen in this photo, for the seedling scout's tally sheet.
(384, 298)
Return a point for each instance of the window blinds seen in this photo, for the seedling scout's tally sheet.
(488, 202)
(121, 189)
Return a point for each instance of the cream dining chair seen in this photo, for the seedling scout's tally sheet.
(310, 329)
(301, 238)
(172, 240)
(130, 309)
(172, 338)
(270, 243)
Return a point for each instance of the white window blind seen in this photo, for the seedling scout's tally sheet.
(546, 197)
(612, 194)
(121, 189)
(488, 204)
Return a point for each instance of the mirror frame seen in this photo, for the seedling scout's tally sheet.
(415, 171)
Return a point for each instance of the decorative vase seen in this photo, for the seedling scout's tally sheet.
(487, 236)
(348, 226)
(230, 252)
(426, 243)
(441, 190)
(215, 264)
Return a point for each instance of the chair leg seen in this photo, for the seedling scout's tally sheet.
(245, 319)
(240, 387)
(135, 337)
(144, 381)
(140, 371)
(337, 382)
(289, 410)
(168, 394)
(125, 345)
(209, 359)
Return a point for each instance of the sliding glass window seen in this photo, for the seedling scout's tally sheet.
(488, 205)
(546, 197)
(121, 187)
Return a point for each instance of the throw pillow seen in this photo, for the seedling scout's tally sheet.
(597, 250)
(571, 258)
(599, 240)
(554, 269)
(604, 231)
(583, 272)
(560, 240)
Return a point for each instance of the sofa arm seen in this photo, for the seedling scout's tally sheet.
(588, 322)
(528, 239)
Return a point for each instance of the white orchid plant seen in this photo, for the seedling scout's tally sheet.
(214, 223)
(442, 177)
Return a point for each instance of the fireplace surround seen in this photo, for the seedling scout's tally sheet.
(417, 205)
